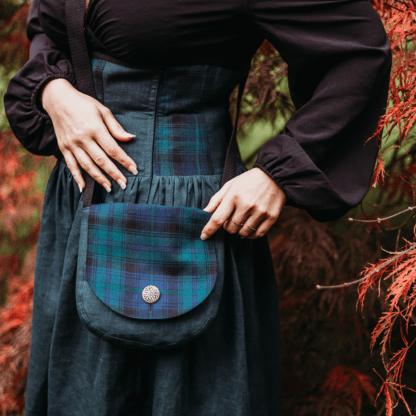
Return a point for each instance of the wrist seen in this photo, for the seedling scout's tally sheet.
(53, 90)
(271, 180)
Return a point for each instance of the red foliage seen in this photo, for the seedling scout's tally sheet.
(19, 197)
(400, 23)
(322, 333)
(14, 43)
(348, 385)
(340, 394)
(265, 97)
(401, 299)
(15, 332)
(20, 207)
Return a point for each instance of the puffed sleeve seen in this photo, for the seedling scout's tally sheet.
(339, 62)
(29, 122)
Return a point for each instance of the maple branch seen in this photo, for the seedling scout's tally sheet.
(370, 274)
(403, 2)
(399, 227)
(392, 6)
(378, 220)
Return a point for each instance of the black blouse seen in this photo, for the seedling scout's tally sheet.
(338, 58)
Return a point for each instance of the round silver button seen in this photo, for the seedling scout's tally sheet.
(150, 294)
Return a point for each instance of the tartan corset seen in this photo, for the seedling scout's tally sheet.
(180, 115)
(140, 250)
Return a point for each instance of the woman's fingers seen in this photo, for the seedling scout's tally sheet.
(222, 211)
(249, 206)
(217, 197)
(251, 223)
(101, 159)
(114, 127)
(237, 220)
(74, 168)
(244, 221)
(234, 213)
(221, 214)
(89, 166)
(262, 228)
(85, 128)
(112, 149)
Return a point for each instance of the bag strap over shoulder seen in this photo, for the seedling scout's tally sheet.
(230, 166)
(75, 17)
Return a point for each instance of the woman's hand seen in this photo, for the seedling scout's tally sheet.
(85, 130)
(250, 200)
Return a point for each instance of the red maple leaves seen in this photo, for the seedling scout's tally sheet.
(15, 333)
(341, 393)
(400, 22)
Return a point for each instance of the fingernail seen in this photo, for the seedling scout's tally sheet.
(133, 136)
(80, 187)
(203, 236)
(133, 170)
(122, 184)
(107, 188)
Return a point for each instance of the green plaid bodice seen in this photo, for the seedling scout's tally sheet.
(180, 116)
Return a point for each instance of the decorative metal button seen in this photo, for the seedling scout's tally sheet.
(150, 294)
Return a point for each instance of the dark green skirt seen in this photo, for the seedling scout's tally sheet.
(180, 117)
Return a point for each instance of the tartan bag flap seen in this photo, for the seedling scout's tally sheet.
(148, 261)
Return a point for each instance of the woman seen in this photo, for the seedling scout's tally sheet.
(339, 62)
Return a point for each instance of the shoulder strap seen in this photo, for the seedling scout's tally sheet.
(75, 15)
(230, 166)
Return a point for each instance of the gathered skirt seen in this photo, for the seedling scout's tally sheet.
(180, 118)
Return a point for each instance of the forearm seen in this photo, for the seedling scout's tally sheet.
(28, 120)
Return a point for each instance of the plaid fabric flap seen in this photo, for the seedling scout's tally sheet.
(133, 246)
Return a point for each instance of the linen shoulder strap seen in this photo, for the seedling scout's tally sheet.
(74, 16)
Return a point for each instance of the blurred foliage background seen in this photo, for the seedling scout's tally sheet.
(327, 366)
